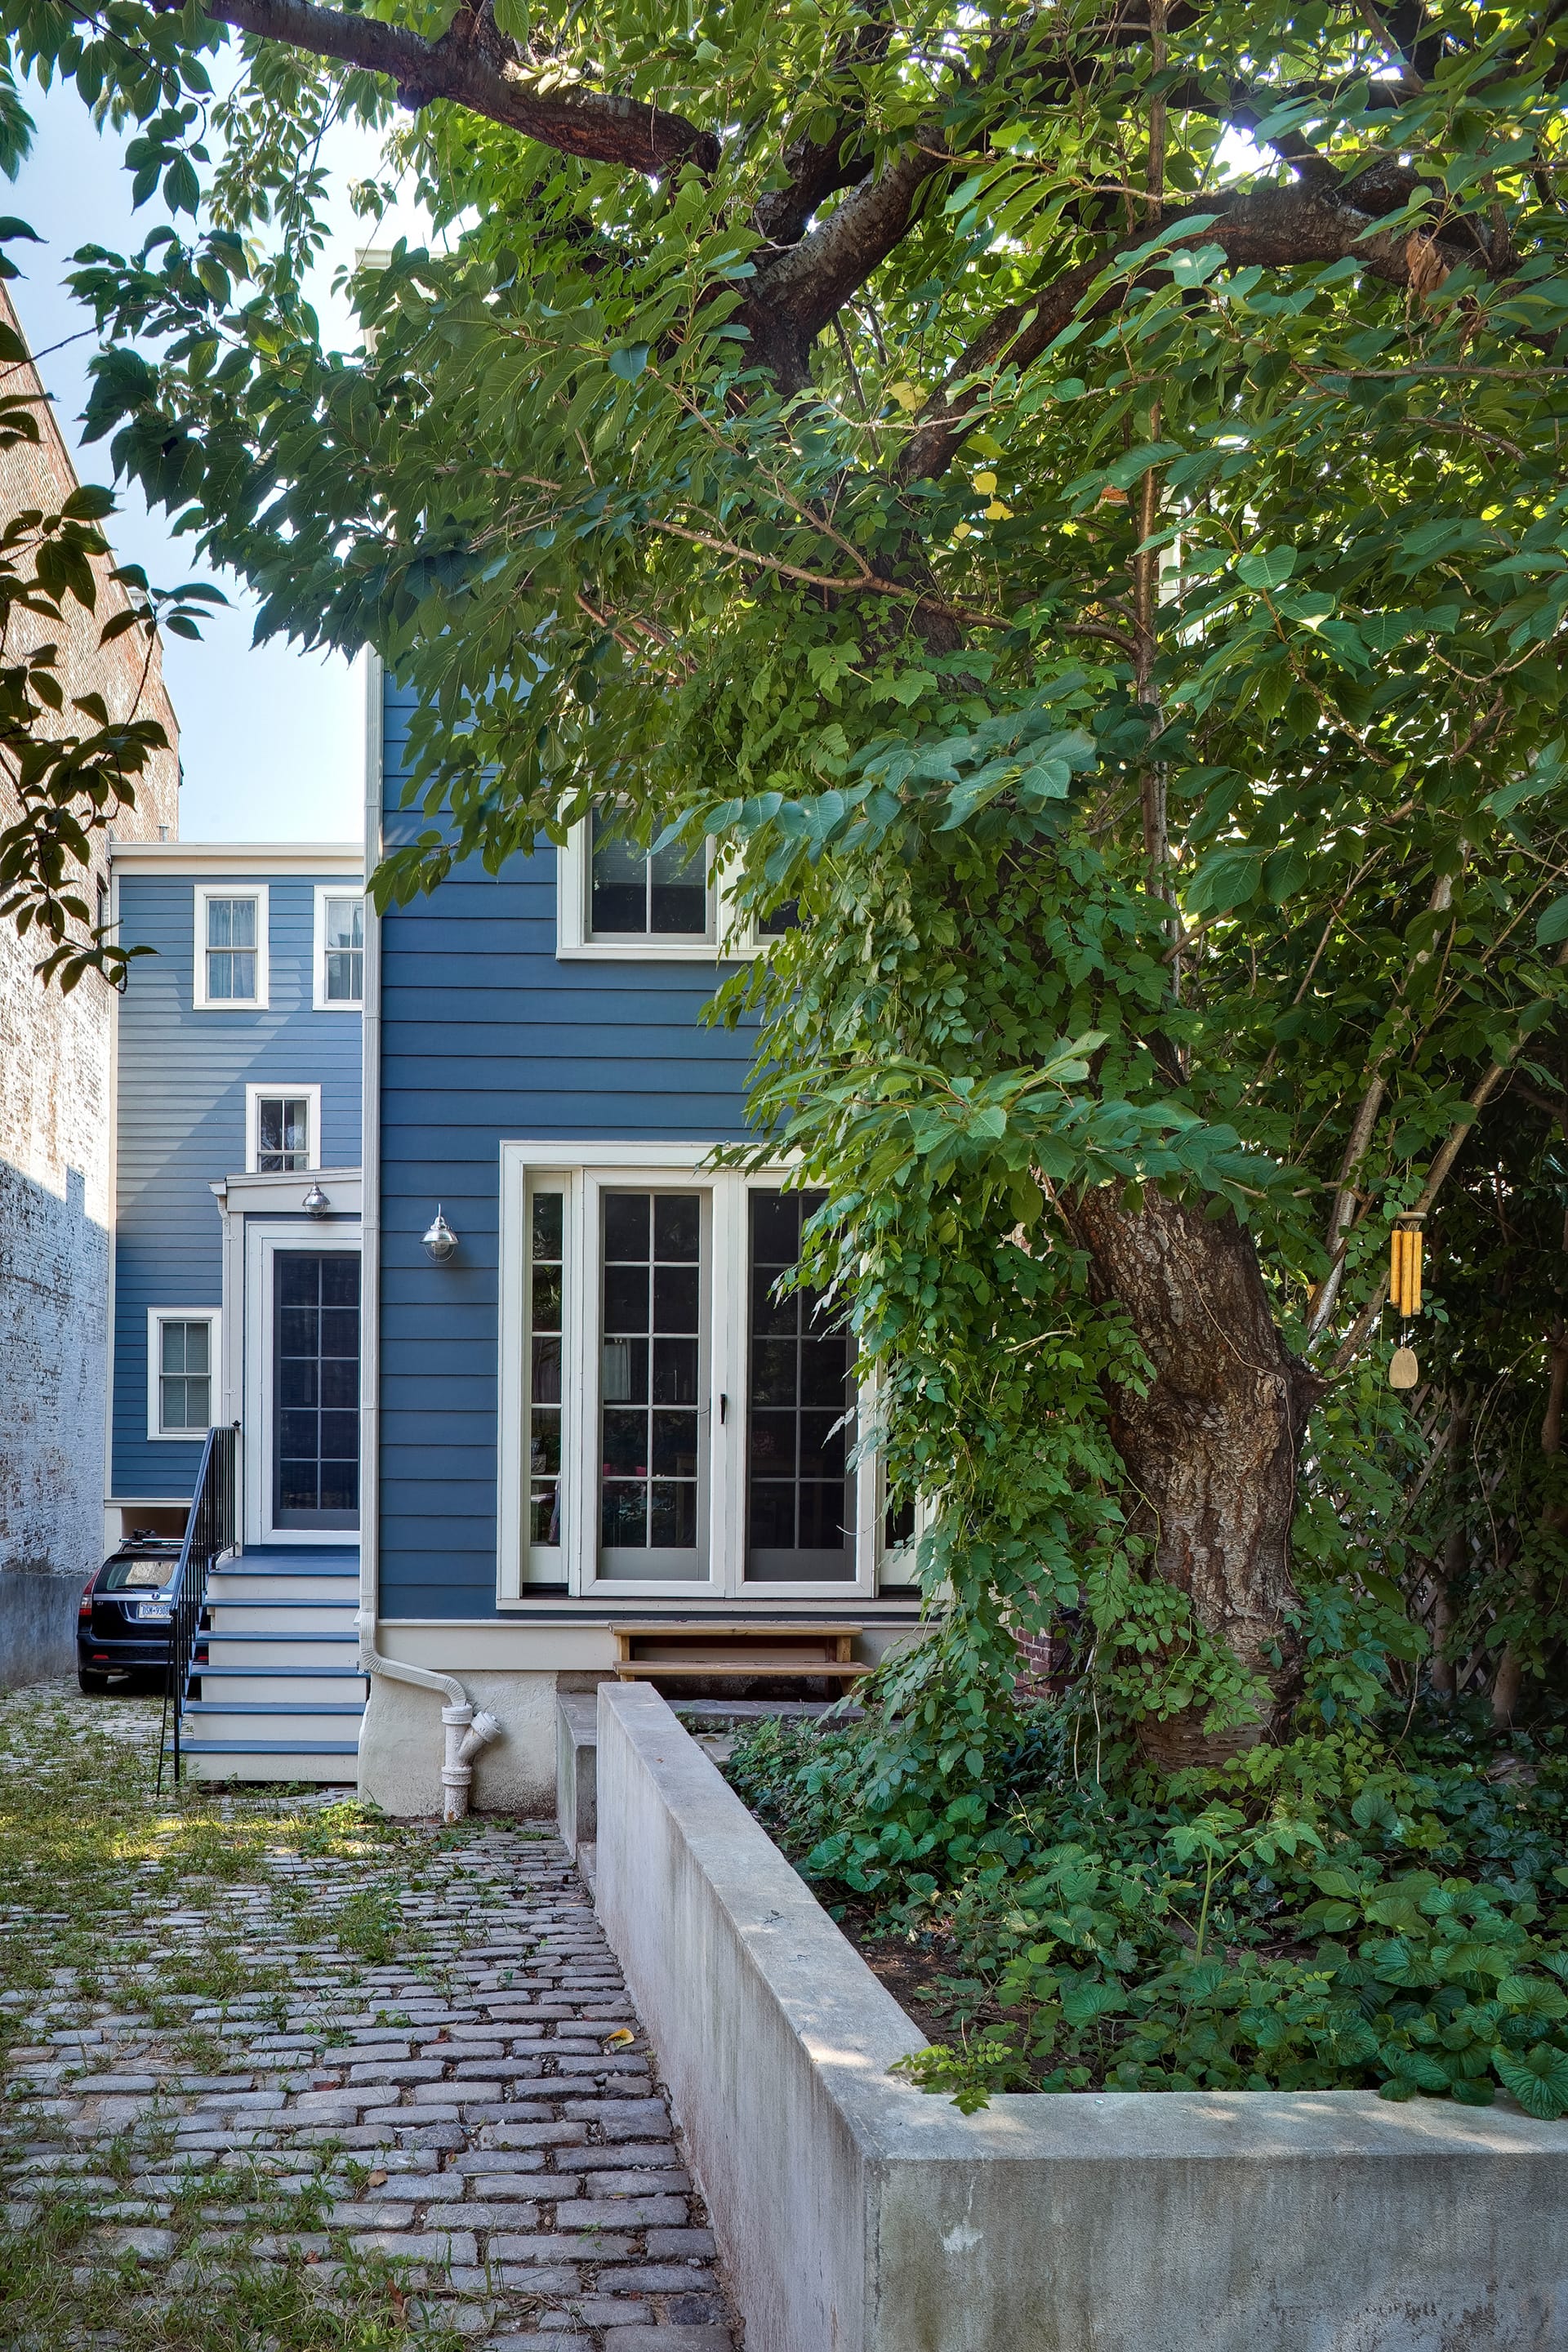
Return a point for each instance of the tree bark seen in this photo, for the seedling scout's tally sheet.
(1211, 1448)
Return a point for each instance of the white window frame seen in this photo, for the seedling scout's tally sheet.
(260, 1001)
(734, 939)
(156, 1319)
(255, 1095)
(321, 1001)
(583, 1172)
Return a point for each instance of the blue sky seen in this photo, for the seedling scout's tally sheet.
(272, 738)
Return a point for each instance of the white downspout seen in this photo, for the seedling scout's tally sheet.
(465, 1732)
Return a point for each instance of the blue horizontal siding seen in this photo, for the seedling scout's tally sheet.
(486, 1038)
(180, 1125)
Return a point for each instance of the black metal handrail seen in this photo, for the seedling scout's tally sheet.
(209, 1533)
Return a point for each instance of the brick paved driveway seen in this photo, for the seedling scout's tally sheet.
(478, 2106)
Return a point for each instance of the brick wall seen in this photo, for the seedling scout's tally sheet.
(54, 1119)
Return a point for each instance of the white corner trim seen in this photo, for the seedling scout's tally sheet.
(242, 887)
(370, 1148)
(156, 1317)
(319, 1001)
(258, 1089)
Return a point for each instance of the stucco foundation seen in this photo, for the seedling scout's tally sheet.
(856, 2214)
(400, 1743)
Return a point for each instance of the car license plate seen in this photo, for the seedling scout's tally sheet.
(159, 1610)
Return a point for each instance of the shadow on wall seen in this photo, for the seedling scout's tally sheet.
(37, 1622)
(54, 1281)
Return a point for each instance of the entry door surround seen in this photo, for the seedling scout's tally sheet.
(264, 1242)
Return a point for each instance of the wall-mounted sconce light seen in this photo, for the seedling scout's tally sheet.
(316, 1203)
(440, 1241)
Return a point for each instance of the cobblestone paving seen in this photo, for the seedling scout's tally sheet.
(481, 2108)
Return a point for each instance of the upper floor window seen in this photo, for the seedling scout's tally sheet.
(182, 1369)
(339, 951)
(231, 959)
(283, 1128)
(641, 894)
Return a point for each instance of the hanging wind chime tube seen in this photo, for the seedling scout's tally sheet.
(1405, 1247)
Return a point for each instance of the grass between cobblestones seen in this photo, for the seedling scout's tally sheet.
(193, 1991)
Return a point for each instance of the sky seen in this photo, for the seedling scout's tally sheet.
(272, 739)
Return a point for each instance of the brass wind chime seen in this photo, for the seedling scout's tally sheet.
(1404, 1296)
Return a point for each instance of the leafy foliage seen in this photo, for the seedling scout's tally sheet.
(1335, 1912)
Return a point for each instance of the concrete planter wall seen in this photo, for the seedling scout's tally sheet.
(858, 2215)
(38, 1624)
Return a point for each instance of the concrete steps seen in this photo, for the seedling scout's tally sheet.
(275, 1693)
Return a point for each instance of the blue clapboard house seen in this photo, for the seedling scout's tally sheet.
(597, 1441)
(236, 1273)
(591, 1439)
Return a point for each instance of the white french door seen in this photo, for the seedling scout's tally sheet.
(673, 1424)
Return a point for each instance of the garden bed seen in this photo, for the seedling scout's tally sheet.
(858, 2212)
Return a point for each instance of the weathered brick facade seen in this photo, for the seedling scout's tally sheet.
(56, 1130)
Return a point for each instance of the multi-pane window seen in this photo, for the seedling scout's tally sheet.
(185, 1375)
(282, 1134)
(546, 1261)
(800, 1515)
(342, 951)
(651, 1381)
(316, 1372)
(637, 893)
(232, 945)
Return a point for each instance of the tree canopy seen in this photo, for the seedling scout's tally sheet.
(1071, 498)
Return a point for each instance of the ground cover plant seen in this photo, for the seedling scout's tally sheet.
(1068, 500)
(1379, 1905)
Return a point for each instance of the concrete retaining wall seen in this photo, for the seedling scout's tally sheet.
(37, 1625)
(858, 2215)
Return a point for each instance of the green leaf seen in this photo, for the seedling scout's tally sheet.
(1552, 926)
(1270, 570)
(1538, 2080)
(629, 362)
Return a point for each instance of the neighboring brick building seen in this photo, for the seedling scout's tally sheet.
(56, 1131)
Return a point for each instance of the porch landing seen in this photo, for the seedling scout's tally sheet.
(275, 1693)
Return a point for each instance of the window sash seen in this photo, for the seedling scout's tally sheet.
(282, 1134)
(185, 1375)
(231, 949)
(342, 952)
(642, 893)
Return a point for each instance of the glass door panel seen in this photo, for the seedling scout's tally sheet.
(800, 1424)
(315, 1447)
(653, 1385)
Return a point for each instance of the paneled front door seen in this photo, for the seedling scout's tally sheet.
(315, 1420)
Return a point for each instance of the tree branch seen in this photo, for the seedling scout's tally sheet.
(474, 66)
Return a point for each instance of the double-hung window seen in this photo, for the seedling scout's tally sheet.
(231, 948)
(619, 899)
(338, 984)
(678, 1416)
(182, 1371)
(283, 1129)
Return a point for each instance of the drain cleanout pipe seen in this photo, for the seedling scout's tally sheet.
(465, 1732)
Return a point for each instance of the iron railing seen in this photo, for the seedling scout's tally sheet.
(209, 1533)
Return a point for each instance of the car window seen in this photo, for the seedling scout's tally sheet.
(127, 1575)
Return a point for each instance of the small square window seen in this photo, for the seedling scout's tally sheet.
(639, 894)
(231, 961)
(282, 1129)
(182, 1367)
(339, 950)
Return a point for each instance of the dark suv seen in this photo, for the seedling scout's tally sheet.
(122, 1623)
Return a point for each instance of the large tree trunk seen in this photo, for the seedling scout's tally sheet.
(1212, 1449)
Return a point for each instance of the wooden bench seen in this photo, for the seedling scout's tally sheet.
(661, 1653)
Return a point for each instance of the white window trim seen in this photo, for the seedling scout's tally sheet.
(258, 1003)
(735, 941)
(584, 1168)
(156, 1319)
(321, 1001)
(254, 1096)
